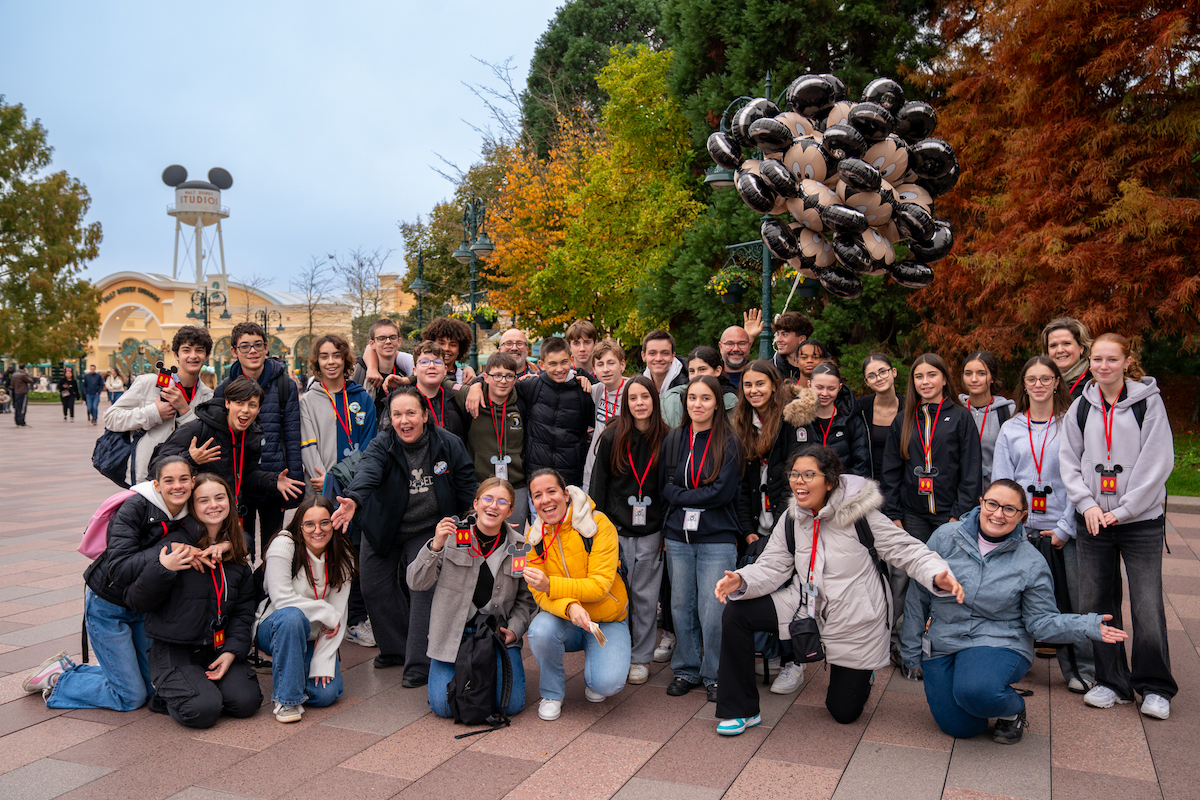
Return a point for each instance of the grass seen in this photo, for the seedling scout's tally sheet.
(1185, 478)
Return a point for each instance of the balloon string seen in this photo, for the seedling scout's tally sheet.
(788, 302)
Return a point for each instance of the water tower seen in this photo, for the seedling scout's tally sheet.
(197, 205)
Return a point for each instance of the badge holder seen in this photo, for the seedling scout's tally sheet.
(1037, 495)
(1108, 478)
(640, 504)
(518, 553)
(691, 518)
(217, 626)
(925, 479)
(501, 465)
(165, 376)
(462, 531)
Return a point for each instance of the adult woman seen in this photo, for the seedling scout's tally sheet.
(850, 602)
(1067, 341)
(308, 572)
(575, 583)
(971, 652)
(835, 423)
(121, 681)
(411, 476)
(880, 407)
(114, 384)
(1115, 464)
(625, 489)
(1027, 452)
(702, 462)
(200, 622)
(477, 579)
(989, 410)
(68, 392)
(701, 361)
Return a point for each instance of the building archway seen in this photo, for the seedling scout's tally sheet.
(130, 320)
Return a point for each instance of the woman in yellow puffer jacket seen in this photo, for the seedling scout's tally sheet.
(578, 589)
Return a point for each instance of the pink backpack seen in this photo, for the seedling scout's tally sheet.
(95, 536)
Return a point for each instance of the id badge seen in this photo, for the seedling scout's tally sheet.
(518, 566)
(219, 638)
(639, 505)
(1037, 498)
(925, 485)
(926, 646)
(691, 519)
(518, 551)
(1108, 478)
(501, 465)
(462, 531)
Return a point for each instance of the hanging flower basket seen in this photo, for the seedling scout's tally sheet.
(731, 283)
(734, 293)
(486, 316)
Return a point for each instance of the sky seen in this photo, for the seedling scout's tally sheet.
(329, 116)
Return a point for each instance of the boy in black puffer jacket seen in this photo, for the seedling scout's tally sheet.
(559, 415)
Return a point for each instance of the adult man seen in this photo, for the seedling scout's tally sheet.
(93, 385)
(391, 368)
(21, 384)
(158, 412)
(736, 344)
(514, 342)
(280, 421)
(662, 367)
(791, 330)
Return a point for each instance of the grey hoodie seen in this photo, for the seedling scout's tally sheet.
(1015, 459)
(988, 423)
(1146, 455)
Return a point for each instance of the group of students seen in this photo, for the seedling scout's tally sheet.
(730, 499)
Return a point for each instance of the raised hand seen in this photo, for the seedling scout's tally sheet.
(345, 512)
(288, 487)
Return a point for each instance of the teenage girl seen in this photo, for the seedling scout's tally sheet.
(879, 407)
(989, 410)
(1067, 341)
(701, 360)
(837, 423)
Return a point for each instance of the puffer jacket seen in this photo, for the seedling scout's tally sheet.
(136, 410)
(956, 456)
(1009, 599)
(776, 489)
(556, 426)
(853, 611)
(577, 576)
(280, 425)
(847, 434)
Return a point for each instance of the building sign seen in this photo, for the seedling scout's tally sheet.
(197, 200)
(128, 290)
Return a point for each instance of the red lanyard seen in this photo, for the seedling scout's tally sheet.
(187, 395)
(478, 551)
(438, 421)
(345, 404)
(1038, 460)
(313, 580)
(548, 540)
(812, 556)
(983, 424)
(224, 585)
(927, 442)
(164, 524)
(698, 470)
(642, 479)
(499, 429)
(616, 399)
(828, 428)
(1076, 383)
(238, 465)
(1110, 416)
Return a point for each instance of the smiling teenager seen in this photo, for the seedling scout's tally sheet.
(495, 438)
(454, 337)
(702, 360)
(662, 367)
(791, 330)
(608, 368)
(382, 366)
(980, 377)
(837, 423)
(880, 407)
(432, 363)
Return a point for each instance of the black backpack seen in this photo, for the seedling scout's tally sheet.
(471, 695)
(114, 455)
(1084, 407)
(865, 537)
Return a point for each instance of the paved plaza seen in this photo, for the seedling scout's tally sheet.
(380, 741)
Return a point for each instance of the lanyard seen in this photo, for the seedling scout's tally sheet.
(616, 399)
(346, 405)
(313, 581)
(642, 479)
(238, 464)
(982, 425)
(478, 551)
(812, 556)
(1038, 460)
(221, 592)
(548, 540)
(697, 471)
(828, 428)
(438, 421)
(499, 429)
(187, 395)
(927, 442)
(1077, 380)
(1110, 415)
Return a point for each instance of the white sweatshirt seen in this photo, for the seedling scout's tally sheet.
(287, 591)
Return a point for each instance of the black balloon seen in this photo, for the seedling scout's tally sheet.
(939, 186)
(939, 245)
(839, 88)
(916, 222)
(859, 175)
(886, 92)
(843, 141)
(931, 158)
(755, 191)
(725, 150)
(872, 120)
(915, 121)
(811, 95)
(851, 253)
(780, 178)
(780, 239)
(839, 282)
(770, 135)
(912, 274)
(844, 219)
(747, 115)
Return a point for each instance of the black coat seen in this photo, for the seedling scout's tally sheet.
(280, 423)
(776, 488)
(380, 485)
(611, 490)
(718, 500)
(866, 408)
(847, 435)
(556, 433)
(71, 386)
(135, 532)
(955, 454)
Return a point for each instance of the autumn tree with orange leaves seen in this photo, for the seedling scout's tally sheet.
(1076, 126)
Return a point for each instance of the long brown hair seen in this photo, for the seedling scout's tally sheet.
(231, 527)
(339, 555)
(721, 430)
(1135, 371)
(757, 443)
(912, 400)
(1061, 398)
(626, 426)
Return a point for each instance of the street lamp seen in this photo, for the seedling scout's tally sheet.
(204, 300)
(475, 246)
(419, 287)
(264, 318)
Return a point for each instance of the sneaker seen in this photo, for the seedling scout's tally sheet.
(361, 634)
(789, 680)
(914, 674)
(43, 677)
(288, 713)
(549, 709)
(666, 646)
(732, 727)
(1077, 686)
(1010, 731)
(639, 673)
(681, 686)
(592, 697)
(387, 662)
(1155, 705)
(772, 665)
(1100, 696)
(413, 680)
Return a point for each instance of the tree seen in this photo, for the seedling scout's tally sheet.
(314, 282)
(251, 285)
(359, 272)
(45, 310)
(1075, 125)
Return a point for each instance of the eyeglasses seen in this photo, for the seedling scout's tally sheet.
(389, 339)
(808, 476)
(311, 527)
(431, 362)
(874, 376)
(247, 347)
(1044, 380)
(487, 499)
(1009, 512)
(501, 377)
(731, 345)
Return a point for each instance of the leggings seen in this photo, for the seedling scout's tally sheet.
(68, 404)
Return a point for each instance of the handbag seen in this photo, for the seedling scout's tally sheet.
(806, 636)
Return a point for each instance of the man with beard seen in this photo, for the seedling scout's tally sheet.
(737, 342)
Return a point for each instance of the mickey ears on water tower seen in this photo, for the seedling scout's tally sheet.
(220, 178)
(174, 175)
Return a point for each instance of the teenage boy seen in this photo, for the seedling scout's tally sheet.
(279, 418)
(437, 391)
(382, 366)
(158, 412)
(454, 337)
(662, 367)
(791, 330)
(581, 338)
(496, 438)
(514, 342)
(608, 365)
(93, 385)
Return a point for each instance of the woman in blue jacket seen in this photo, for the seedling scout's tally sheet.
(699, 480)
(971, 653)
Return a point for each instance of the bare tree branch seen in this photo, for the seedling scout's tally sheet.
(359, 272)
(253, 283)
(315, 282)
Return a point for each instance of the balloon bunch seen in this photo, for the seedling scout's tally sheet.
(855, 178)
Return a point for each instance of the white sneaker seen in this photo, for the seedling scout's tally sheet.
(666, 646)
(772, 665)
(789, 680)
(549, 709)
(361, 634)
(592, 697)
(288, 713)
(639, 673)
(1100, 696)
(1077, 686)
(43, 677)
(1157, 706)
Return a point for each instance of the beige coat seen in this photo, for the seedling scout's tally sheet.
(853, 611)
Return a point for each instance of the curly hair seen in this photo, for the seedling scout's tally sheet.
(343, 349)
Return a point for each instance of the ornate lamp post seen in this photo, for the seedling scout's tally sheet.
(475, 246)
(204, 300)
(420, 288)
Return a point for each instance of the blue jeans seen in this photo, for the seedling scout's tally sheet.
(122, 680)
(284, 636)
(966, 689)
(442, 672)
(695, 570)
(93, 405)
(604, 668)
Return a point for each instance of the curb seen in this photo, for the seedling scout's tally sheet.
(1178, 504)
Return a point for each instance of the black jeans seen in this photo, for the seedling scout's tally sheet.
(20, 403)
(270, 521)
(737, 686)
(1140, 546)
(192, 700)
(918, 526)
(68, 404)
(399, 616)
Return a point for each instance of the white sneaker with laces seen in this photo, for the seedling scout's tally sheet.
(592, 697)
(666, 646)
(288, 713)
(1157, 706)
(789, 680)
(639, 673)
(43, 677)
(1100, 696)
(772, 665)
(549, 709)
(361, 634)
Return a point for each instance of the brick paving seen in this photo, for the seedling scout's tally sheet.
(380, 741)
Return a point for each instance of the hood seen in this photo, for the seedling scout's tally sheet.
(853, 499)
(997, 402)
(271, 367)
(672, 373)
(581, 509)
(146, 489)
(1135, 390)
(802, 410)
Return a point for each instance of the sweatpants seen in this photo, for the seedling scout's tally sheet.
(399, 616)
(643, 560)
(192, 700)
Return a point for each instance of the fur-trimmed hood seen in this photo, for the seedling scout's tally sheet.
(581, 509)
(802, 408)
(854, 498)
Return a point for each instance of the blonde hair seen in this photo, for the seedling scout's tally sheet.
(1135, 371)
(1076, 328)
(608, 345)
(491, 483)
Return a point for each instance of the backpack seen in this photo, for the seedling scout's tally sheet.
(622, 570)
(471, 694)
(865, 537)
(1003, 413)
(95, 535)
(1081, 412)
(115, 454)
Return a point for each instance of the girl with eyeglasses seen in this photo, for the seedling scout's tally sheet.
(1118, 456)
(309, 567)
(1027, 452)
(474, 576)
(880, 407)
(972, 652)
(816, 544)
(989, 410)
